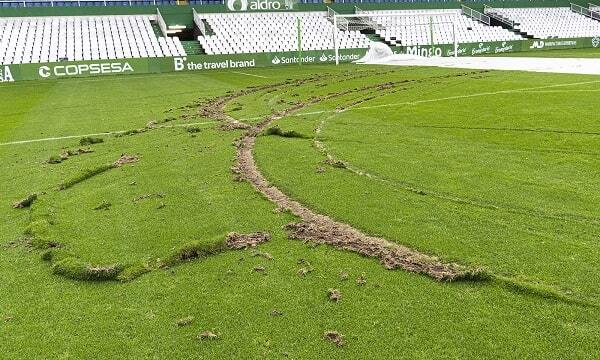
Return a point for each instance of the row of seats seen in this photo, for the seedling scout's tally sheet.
(49, 3)
(547, 23)
(266, 32)
(415, 27)
(51, 39)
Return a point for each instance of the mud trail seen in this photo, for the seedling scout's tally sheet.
(322, 229)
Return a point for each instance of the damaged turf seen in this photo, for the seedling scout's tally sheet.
(242, 241)
(318, 228)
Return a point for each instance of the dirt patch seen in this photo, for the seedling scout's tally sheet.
(276, 313)
(126, 159)
(242, 241)
(334, 337)
(334, 295)
(185, 321)
(207, 335)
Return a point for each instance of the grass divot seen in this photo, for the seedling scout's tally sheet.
(242, 241)
(185, 321)
(26, 202)
(276, 131)
(334, 337)
(88, 140)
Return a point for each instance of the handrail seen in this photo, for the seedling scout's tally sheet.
(198, 21)
(595, 9)
(585, 11)
(492, 13)
(474, 14)
(161, 23)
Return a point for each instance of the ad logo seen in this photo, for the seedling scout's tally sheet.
(84, 69)
(231, 5)
(260, 5)
(275, 60)
(323, 57)
(537, 45)
(6, 75)
(596, 41)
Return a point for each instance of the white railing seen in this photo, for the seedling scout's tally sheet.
(474, 14)
(52, 3)
(198, 21)
(580, 10)
(161, 23)
(595, 9)
(493, 13)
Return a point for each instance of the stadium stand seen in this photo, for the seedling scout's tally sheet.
(52, 39)
(416, 30)
(265, 32)
(547, 23)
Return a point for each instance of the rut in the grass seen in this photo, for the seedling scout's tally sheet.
(321, 228)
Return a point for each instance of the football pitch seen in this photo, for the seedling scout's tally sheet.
(127, 188)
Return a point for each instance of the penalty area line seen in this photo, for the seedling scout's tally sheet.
(457, 97)
(19, 142)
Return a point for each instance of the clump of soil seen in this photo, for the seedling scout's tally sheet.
(334, 337)
(126, 159)
(105, 205)
(208, 335)
(335, 163)
(259, 269)
(88, 140)
(185, 321)
(362, 280)
(265, 255)
(242, 241)
(276, 131)
(148, 196)
(303, 272)
(25, 203)
(343, 276)
(66, 154)
(276, 313)
(324, 230)
(334, 295)
(192, 129)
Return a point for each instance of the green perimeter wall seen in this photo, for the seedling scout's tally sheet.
(12, 73)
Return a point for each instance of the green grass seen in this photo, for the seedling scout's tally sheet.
(506, 181)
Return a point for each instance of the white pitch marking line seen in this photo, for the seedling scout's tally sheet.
(243, 73)
(530, 89)
(96, 134)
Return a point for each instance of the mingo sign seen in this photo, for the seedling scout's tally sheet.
(85, 69)
(6, 74)
(261, 5)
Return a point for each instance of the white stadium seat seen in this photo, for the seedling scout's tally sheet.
(547, 23)
(51, 39)
(273, 32)
(417, 28)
